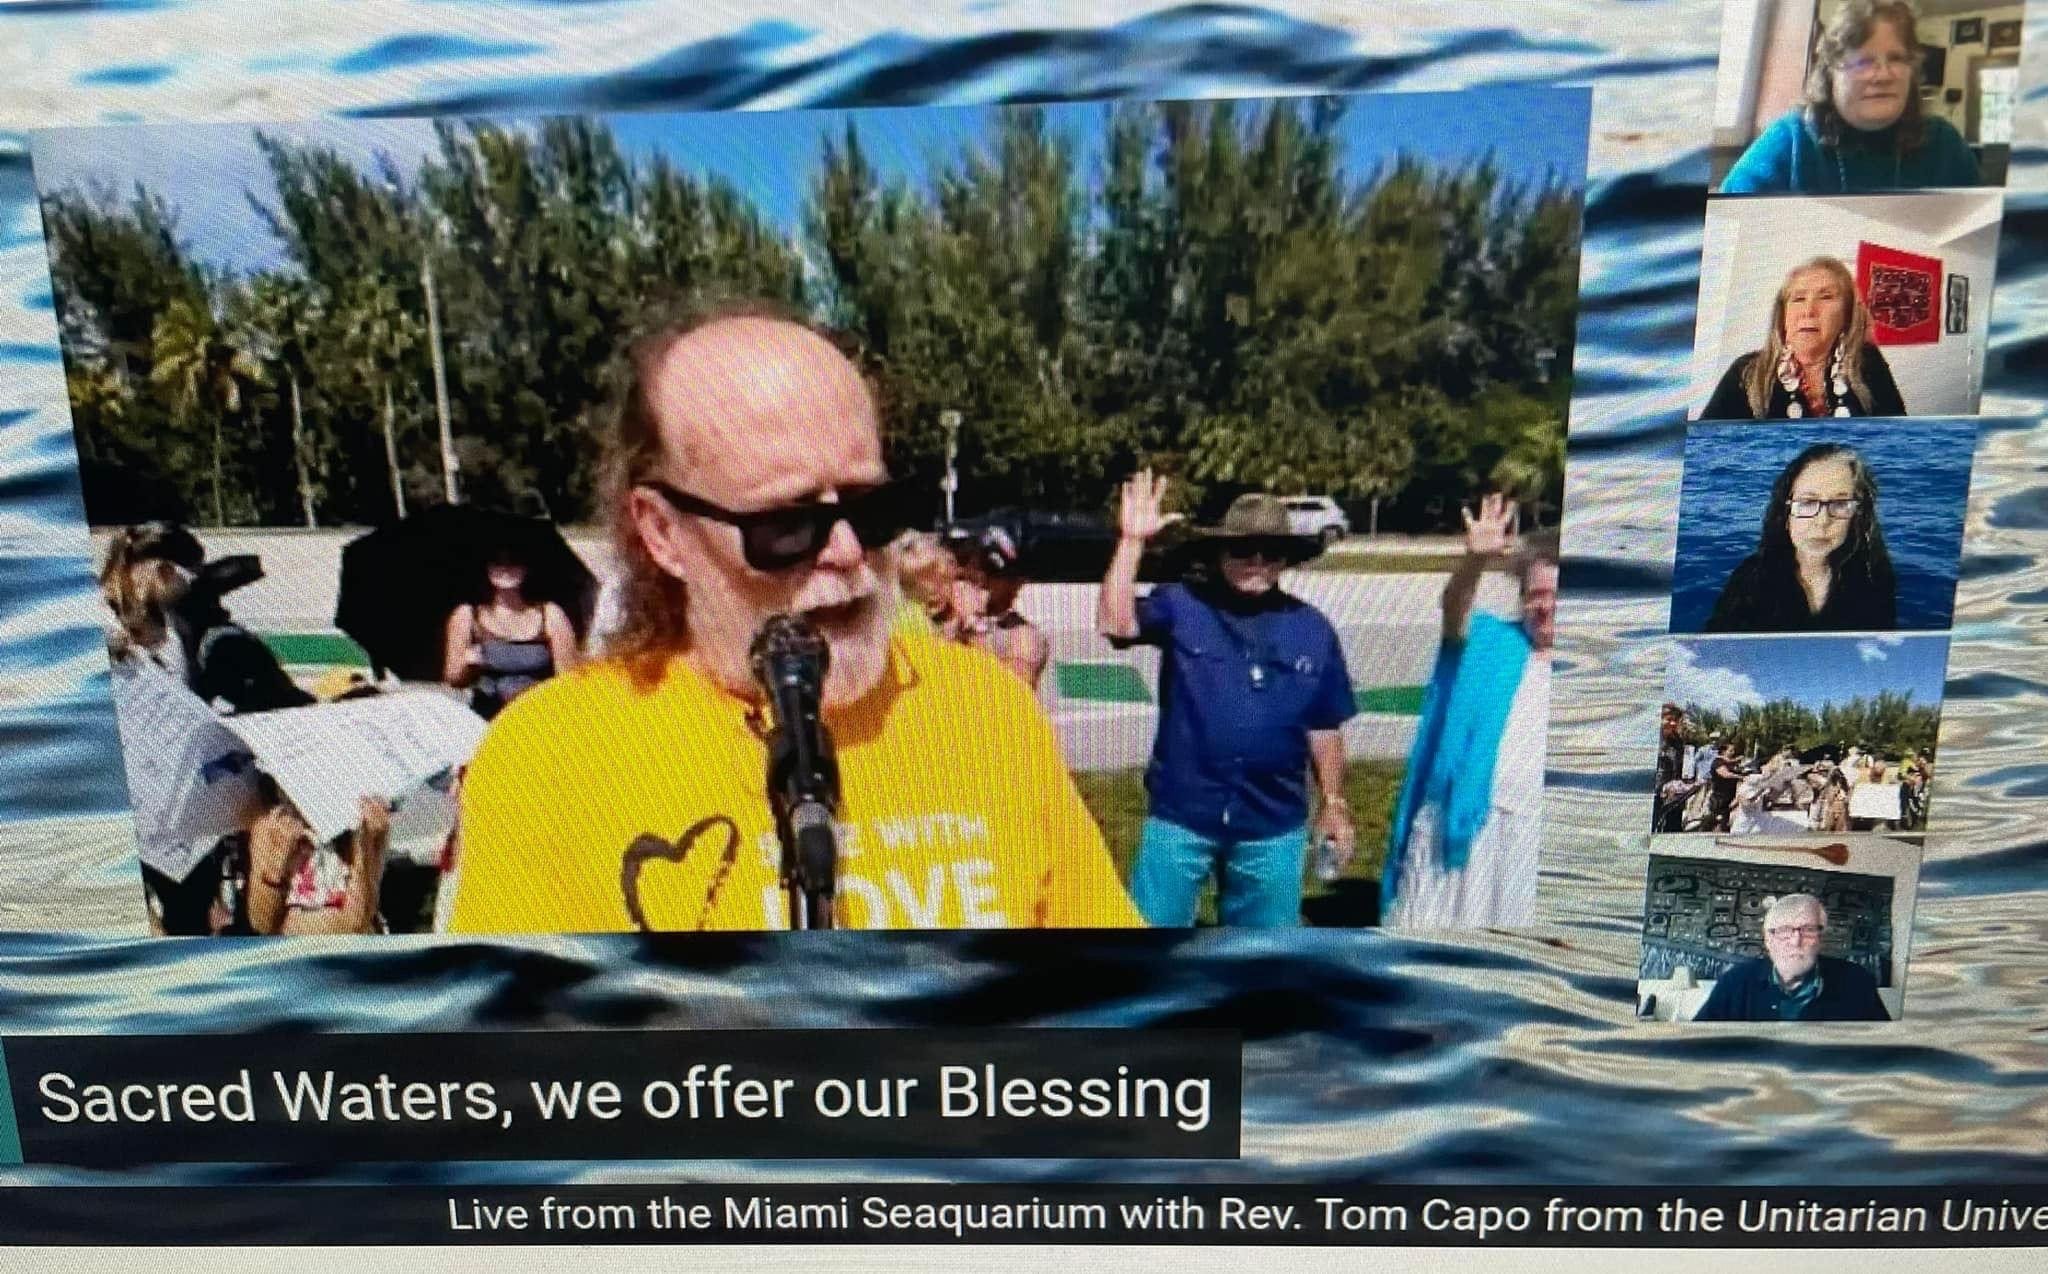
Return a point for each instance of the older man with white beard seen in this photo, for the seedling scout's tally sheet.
(1794, 982)
(745, 479)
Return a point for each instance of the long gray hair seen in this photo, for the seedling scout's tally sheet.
(1763, 372)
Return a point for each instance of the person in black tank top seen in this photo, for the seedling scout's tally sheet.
(504, 644)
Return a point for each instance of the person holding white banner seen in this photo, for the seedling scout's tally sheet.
(184, 672)
(297, 887)
(166, 599)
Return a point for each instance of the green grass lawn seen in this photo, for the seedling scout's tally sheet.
(316, 648)
(1117, 799)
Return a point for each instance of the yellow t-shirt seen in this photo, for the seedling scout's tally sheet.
(957, 811)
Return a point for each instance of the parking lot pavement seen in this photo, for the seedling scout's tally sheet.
(1100, 698)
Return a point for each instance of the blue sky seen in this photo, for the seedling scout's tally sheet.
(204, 170)
(1726, 673)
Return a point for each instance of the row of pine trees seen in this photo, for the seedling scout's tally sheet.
(1889, 723)
(1215, 295)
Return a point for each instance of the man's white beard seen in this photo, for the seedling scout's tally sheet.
(1798, 975)
(860, 660)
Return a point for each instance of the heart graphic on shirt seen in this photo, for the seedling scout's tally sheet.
(648, 847)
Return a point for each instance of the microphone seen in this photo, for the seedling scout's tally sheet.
(789, 659)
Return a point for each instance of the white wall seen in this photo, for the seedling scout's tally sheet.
(1744, 27)
(1937, 30)
(1868, 856)
(1764, 46)
(1750, 244)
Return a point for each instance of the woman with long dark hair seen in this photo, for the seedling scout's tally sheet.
(1821, 565)
(506, 642)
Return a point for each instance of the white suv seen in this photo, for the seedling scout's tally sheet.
(1316, 515)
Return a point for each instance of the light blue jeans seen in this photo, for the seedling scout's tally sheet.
(1259, 880)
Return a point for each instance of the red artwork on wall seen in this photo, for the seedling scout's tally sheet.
(1902, 290)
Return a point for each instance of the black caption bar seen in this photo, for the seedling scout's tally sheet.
(627, 1095)
(1367, 1216)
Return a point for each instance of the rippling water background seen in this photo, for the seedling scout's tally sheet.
(1923, 479)
(1499, 1057)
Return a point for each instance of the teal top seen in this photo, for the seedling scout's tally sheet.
(1464, 713)
(1789, 157)
(1793, 1006)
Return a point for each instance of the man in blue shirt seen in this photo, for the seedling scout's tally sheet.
(1252, 692)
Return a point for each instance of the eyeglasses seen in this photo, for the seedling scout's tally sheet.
(1797, 931)
(777, 539)
(1274, 551)
(1862, 65)
(1837, 509)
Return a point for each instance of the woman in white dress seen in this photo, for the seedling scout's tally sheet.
(1493, 880)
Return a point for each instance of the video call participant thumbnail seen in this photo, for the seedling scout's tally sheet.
(745, 479)
(1861, 126)
(1794, 982)
(1821, 563)
(1817, 358)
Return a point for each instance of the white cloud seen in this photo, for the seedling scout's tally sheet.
(1875, 650)
(203, 171)
(1723, 690)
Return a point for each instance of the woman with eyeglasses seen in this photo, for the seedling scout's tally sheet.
(1821, 565)
(1817, 358)
(1861, 126)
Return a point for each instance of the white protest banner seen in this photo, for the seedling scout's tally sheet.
(190, 780)
(328, 756)
(1874, 800)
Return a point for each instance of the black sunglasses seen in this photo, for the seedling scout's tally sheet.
(1271, 550)
(777, 539)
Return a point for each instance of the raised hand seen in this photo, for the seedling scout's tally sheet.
(373, 830)
(1489, 534)
(278, 842)
(1138, 507)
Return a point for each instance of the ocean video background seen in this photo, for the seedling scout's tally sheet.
(1923, 478)
(1490, 1057)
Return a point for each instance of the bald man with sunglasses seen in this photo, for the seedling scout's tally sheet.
(745, 479)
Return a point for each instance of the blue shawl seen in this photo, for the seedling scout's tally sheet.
(1464, 711)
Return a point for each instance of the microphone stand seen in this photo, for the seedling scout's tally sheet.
(810, 851)
(790, 660)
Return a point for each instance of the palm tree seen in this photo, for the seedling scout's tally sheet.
(202, 371)
(381, 333)
(282, 314)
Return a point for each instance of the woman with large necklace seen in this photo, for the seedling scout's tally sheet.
(1817, 359)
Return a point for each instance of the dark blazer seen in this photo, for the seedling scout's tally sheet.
(1731, 399)
(1749, 993)
(1753, 601)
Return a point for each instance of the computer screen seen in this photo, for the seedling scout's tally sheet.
(1398, 627)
